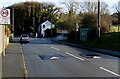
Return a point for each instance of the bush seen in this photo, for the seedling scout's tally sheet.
(89, 20)
(48, 32)
(106, 20)
(7, 32)
(72, 36)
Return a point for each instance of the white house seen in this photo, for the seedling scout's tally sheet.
(42, 27)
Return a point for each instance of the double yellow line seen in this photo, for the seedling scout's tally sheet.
(24, 64)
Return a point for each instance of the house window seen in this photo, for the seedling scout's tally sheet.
(43, 26)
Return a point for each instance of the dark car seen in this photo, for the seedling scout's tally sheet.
(24, 38)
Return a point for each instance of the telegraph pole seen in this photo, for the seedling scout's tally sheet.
(98, 27)
(118, 16)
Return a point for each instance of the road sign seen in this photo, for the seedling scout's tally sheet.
(4, 16)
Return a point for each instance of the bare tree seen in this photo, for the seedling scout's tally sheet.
(104, 8)
(89, 7)
(117, 7)
(71, 17)
(72, 6)
(92, 7)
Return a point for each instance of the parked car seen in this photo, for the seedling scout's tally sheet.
(24, 38)
(11, 37)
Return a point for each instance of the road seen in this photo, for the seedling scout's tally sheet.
(72, 65)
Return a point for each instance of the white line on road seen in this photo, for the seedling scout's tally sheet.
(110, 71)
(52, 47)
(55, 48)
(74, 56)
(46, 45)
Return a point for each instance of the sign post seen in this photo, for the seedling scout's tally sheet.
(4, 20)
(4, 16)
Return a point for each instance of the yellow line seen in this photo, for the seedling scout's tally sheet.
(23, 64)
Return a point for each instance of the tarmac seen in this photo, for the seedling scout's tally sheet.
(104, 51)
(12, 64)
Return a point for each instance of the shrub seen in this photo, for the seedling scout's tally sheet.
(7, 32)
(89, 20)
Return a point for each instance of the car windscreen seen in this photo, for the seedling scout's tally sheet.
(24, 35)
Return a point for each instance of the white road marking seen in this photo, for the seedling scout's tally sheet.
(74, 56)
(110, 71)
(55, 48)
(46, 45)
(52, 47)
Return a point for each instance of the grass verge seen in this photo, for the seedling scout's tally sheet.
(110, 41)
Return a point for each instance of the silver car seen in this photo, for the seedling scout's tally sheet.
(24, 38)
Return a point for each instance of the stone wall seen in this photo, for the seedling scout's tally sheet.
(4, 40)
(1, 39)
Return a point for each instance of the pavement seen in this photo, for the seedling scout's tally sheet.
(12, 63)
(104, 51)
(0, 67)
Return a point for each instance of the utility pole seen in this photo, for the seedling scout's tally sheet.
(118, 16)
(98, 27)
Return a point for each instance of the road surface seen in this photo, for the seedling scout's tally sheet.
(72, 65)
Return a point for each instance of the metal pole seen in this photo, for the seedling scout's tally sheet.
(13, 21)
(3, 40)
(34, 24)
(51, 26)
(51, 30)
(76, 29)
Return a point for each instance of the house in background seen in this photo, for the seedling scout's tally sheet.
(44, 26)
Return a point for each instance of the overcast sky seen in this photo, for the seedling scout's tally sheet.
(6, 3)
